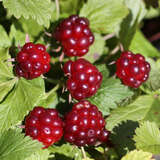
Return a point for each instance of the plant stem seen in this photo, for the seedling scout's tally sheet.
(108, 36)
(83, 152)
(57, 8)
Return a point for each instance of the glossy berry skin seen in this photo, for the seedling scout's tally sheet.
(44, 125)
(104, 136)
(84, 124)
(84, 79)
(75, 35)
(132, 69)
(32, 61)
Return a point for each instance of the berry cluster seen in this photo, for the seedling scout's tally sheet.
(84, 125)
(84, 78)
(44, 125)
(132, 69)
(33, 60)
(75, 35)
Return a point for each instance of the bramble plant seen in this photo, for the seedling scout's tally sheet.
(79, 80)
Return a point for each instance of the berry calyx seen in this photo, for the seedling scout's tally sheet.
(44, 125)
(32, 61)
(84, 125)
(84, 78)
(132, 69)
(75, 35)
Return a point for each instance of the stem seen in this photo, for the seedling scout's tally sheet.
(11, 60)
(57, 50)
(155, 37)
(27, 38)
(114, 51)
(57, 8)
(48, 34)
(53, 81)
(83, 153)
(108, 36)
(121, 47)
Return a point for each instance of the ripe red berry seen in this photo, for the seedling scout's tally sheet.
(84, 78)
(44, 125)
(32, 61)
(132, 69)
(75, 35)
(84, 124)
(104, 136)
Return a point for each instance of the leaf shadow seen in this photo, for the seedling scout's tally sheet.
(122, 135)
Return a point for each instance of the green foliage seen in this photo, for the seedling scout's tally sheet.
(137, 155)
(69, 7)
(67, 150)
(39, 155)
(38, 10)
(96, 50)
(123, 108)
(143, 108)
(4, 39)
(22, 99)
(13, 145)
(110, 93)
(153, 83)
(7, 79)
(130, 23)
(49, 99)
(104, 15)
(17, 37)
(141, 45)
(121, 137)
(147, 137)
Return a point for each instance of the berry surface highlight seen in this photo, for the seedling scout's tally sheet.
(85, 125)
(84, 78)
(74, 35)
(32, 61)
(44, 125)
(132, 69)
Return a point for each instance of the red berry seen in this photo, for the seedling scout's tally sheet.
(75, 35)
(33, 60)
(84, 124)
(104, 136)
(44, 125)
(132, 69)
(84, 78)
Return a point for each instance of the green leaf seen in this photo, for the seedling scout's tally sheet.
(31, 27)
(147, 137)
(23, 98)
(7, 79)
(130, 23)
(96, 50)
(104, 16)
(39, 155)
(17, 37)
(109, 94)
(4, 39)
(152, 13)
(49, 100)
(143, 108)
(67, 150)
(38, 10)
(103, 69)
(141, 45)
(153, 82)
(14, 145)
(70, 7)
(137, 155)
